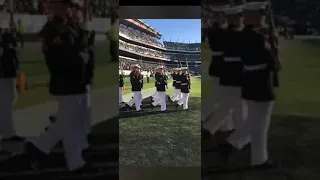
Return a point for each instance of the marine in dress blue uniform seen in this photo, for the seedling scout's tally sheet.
(136, 79)
(66, 57)
(177, 96)
(161, 86)
(9, 67)
(230, 81)
(257, 89)
(174, 79)
(216, 34)
(130, 103)
(81, 25)
(121, 84)
(185, 88)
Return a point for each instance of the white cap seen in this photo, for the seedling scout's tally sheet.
(159, 67)
(255, 6)
(219, 8)
(234, 10)
(136, 66)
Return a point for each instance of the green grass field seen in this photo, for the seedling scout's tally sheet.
(294, 136)
(171, 139)
(33, 64)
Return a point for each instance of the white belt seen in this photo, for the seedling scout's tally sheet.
(256, 67)
(158, 83)
(178, 81)
(217, 53)
(232, 59)
(184, 84)
(174, 80)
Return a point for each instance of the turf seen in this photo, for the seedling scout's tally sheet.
(171, 139)
(33, 65)
(294, 136)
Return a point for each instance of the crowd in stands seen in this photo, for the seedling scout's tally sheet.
(184, 57)
(195, 70)
(141, 50)
(139, 36)
(305, 13)
(125, 64)
(98, 8)
(182, 46)
(145, 65)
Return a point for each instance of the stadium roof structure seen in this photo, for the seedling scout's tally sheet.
(139, 25)
(237, 6)
(157, 32)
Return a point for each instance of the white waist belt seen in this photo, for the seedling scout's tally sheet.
(158, 83)
(178, 82)
(184, 84)
(232, 59)
(217, 53)
(256, 67)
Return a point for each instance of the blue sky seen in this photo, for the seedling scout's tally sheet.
(177, 29)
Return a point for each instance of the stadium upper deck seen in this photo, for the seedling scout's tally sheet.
(140, 41)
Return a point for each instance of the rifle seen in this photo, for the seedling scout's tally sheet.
(273, 39)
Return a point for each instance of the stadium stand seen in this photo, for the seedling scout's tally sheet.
(301, 15)
(141, 50)
(182, 46)
(139, 36)
(183, 57)
(126, 62)
(146, 47)
(100, 8)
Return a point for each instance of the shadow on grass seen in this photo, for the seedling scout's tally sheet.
(154, 111)
(169, 139)
(294, 143)
(159, 173)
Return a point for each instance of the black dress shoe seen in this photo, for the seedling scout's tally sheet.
(266, 165)
(52, 118)
(13, 139)
(29, 160)
(225, 150)
(35, 155)
(176, 105)
(87, 168)
(231, 131)
(87, 154)
(15, 164)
